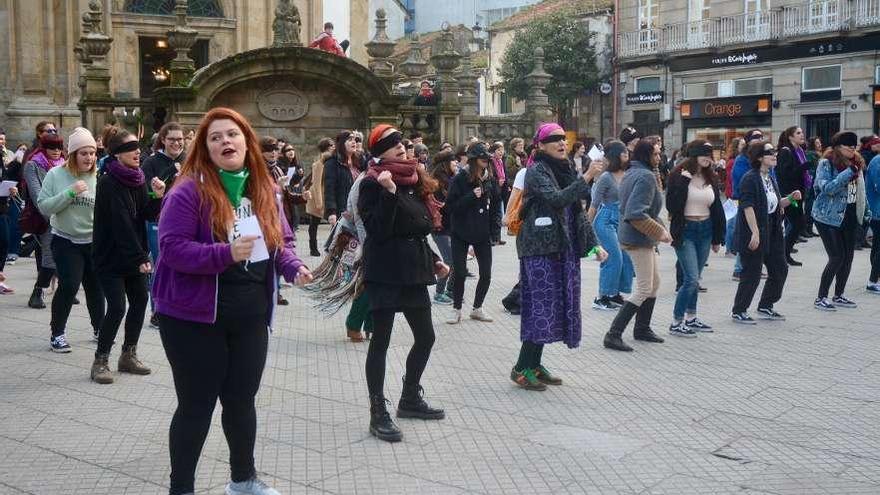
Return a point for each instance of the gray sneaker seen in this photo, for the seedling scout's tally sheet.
(253, 486)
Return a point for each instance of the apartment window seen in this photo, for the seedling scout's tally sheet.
(698, 10)
(825, 78)
(877, 75)
(648, 84)
(647, 14)
(503, 103)
(756, 86)
(701, 90)
(727, 88)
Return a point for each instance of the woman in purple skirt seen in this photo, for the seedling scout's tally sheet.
(555, 235)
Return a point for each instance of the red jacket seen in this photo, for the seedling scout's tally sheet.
(327, 43)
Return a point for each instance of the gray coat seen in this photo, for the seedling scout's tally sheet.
(544, 230)
(640, 199)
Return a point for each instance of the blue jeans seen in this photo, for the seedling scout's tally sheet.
(153, 247)
(692, 255)
(615, 273)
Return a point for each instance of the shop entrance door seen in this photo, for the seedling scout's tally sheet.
(823, 125)
(648, 122)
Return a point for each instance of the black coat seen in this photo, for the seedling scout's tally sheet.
(789, 172)
(676, 198)
(337, 185)
(751, 194)
(119, 241)
(162, 166)
(396, 251)
(471, 217)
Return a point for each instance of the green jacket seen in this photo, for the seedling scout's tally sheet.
(71, 216)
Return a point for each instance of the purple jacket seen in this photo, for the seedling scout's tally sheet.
(191, 260)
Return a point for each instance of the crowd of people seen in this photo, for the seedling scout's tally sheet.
(202, 231)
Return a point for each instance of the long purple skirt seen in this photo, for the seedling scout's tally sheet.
(551, 298)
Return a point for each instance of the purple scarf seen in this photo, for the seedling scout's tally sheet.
(43, 161)
(128, 176)
(805, 166)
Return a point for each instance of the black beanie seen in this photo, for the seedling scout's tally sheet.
(845, 139)
(628, 134)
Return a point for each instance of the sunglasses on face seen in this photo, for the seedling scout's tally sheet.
(410, 146)
(51, 131)
(358, 140)
(54, 147)
(174, 140)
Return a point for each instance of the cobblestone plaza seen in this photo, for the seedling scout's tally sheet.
(778, 408)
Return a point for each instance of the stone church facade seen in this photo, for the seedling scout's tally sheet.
(41, 80)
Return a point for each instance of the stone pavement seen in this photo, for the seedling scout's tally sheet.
(781, 408)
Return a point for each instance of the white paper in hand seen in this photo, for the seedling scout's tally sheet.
(5, 186)
(730, 209)
(595, 153)
(250, 226)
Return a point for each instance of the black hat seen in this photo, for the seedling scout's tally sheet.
(845, 139)
(700, 149)
(628, 134)
(478, 150)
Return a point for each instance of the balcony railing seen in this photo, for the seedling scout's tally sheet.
(792, 21)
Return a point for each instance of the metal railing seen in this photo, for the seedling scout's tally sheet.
(819, 16)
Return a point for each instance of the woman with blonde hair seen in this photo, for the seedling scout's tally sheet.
(215, 292)
(68, 197)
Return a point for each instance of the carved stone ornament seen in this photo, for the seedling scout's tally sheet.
(283, 105)
(286, 25)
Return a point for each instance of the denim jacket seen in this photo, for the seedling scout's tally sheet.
(830, 188)
(872, 187)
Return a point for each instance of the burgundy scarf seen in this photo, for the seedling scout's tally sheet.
(406, 173)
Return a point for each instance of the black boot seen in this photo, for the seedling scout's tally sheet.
(36, 300)
(381, 425)
(313, 247)
(642, 329)
(612, 338)
(412, 404)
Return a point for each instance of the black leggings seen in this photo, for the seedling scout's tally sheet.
(483, 253)
(419, 320)
(313, 233)
(529, 356)
(795, 218)
(117, 290)
(224, 360)
(840, 243)
(74, 265)
(875, 251)
(5, 234)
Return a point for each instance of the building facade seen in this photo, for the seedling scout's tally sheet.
(591, 117)
(42, 75)
(739, 64)
(429, 15)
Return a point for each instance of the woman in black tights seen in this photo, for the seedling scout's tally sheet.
(399, 211)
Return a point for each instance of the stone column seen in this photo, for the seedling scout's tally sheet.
(180, 39)
(445, 60)
(379, 49)
(96, 101)
(467, 79)
(414, 67)
(537, 103)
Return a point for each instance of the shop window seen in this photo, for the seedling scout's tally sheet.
(726, 88)
(648, 84)
(648, 122)
(825, 78)
(195, 8)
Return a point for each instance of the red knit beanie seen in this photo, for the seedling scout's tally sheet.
(376, 134)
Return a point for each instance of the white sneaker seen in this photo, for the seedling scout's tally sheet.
(479, 315)
(455, 317)
(253, 486)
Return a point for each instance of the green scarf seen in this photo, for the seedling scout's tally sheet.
(234, 183)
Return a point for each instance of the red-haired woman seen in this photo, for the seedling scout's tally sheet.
(215, 296)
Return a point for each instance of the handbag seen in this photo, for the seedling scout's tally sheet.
(513, 217)
(31, 221)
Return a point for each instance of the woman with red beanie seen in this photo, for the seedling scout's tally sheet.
(399, 211)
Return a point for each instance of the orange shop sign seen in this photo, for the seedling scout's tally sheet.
(726, 108)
